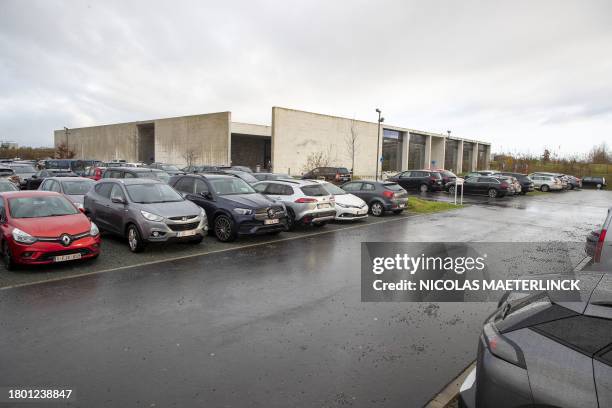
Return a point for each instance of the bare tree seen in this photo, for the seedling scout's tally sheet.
(320, 158)
(600, 154)
(190, 155)
(63, 152)
(351, 143)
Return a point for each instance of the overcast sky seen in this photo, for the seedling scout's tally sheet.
(522, 75)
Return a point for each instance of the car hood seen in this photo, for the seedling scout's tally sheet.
(171, 209)
(255, 200)
(349, 199)
(53, 226)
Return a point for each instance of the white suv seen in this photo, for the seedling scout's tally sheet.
(546, 183)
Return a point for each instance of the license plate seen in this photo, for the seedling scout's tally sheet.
(272, 221)
(185, 233)
(69, 257)
(323, 206)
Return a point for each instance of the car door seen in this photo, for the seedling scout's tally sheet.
(404, 180)
(354, 188)
(470, 185)
(97, 204)
(368, 191)
(117, 211)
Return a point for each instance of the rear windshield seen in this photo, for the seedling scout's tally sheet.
(155, 175)
(334, 189)
(77, 187)
(343, 170)
(314, 191)
(24, 169)
(436, 175)
(447, 173)
(248, 177)
(42, 206)
(394, 186)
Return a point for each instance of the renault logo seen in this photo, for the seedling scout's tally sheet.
(66, 240)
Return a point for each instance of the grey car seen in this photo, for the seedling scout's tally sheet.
(307, 202)
(144, 211)
(74, 188)
(380, 196)
(540, 350)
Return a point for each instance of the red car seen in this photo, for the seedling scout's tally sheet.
(43, 227)
(94, 173)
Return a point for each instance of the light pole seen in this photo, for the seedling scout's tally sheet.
(380, 120)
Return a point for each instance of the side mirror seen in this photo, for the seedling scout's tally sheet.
(34, 176)
(207, 195)
(118, 200)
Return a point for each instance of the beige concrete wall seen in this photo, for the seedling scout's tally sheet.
(437, 152)
(208, 135)
(251, 129)
(297, 134)
(106, 142)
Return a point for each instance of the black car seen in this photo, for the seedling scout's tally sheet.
(33, 182)
(335, 175)
(597, 182)
(136, 172)
(271, 176)
(523, 179)
(420, 180)
(232, 206)
(491, 186)
(542, 350)
(380, 196)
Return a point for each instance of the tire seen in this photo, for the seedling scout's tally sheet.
(398, 211)
(377, 209)
(135, 242)
(493, 193)
(451, 190)
(7, 257)
(225, 230)
(599, 186)
(523, 193)
(290, 219)
(423, 188)
(544, 188)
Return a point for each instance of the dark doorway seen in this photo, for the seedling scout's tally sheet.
(251, 150)
(146, 143)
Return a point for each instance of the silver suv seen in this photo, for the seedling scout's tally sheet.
(144, 211)
(307, 201)
(546, 183)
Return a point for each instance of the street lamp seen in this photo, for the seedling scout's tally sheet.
(380, 120)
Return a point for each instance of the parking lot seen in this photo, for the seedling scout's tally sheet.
(276, 321)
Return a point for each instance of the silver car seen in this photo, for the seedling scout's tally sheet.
(144, 211)
(307, 201)
(546, 183)
(74, 188)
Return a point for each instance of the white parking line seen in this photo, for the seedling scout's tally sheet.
(178, 258)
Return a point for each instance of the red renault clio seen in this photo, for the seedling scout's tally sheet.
(43, 227)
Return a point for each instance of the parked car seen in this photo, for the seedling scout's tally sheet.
(246, 169)
(8, 174)
(380, 196)
(23, 171)
(34, 182)
(76, 166)
(526, 182)
(536, 350)
(271, 176)
(94, 172)
(336, 175)
(7, 185)
(348, 206)
(447, 175)
(480, 173)
(574, 182)
(144, 211)
(482, 185)
(41, 227)
(74, 188)
(561, 177)
(246, 176)
(420, 180)
(594, 181)
(200, 169)
(514, 187)
(171, 169)
(233, 207)
(306, 201)
(598, 241)
(546, 183)
(135, 172)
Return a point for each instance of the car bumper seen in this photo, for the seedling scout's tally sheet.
(41, 253)
(254, 227)
(397, 204)
(318, 216)
(178, 231)
(348, 214)
(467, 392)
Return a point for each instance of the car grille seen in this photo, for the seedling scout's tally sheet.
(59, 239)
(269, 212)
(183, 227)
(183, 218)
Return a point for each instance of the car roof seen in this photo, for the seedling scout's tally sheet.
(130, 181)
(209, 175)
(296, 182)
(137, 169)
(75, 178)
(27, 193)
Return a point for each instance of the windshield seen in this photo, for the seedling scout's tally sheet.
(7, 187)
(248, 177)
(334, 189)
(24, 169)
(447, 173)
(343, 170)
(77, 187)
(155, 175)
(231, 186)
(41, 206)
(393, 186)
(152, 193)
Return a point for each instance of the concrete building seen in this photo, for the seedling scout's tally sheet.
(286, 145)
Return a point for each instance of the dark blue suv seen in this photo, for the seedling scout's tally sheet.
(232, 206)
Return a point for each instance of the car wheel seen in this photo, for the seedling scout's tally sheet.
(224, 228)
(544, 188)
(492, 193)
(319, 224)
(377, 209)
(290, 219)
(7, 257)
(523, 193)
(599, 186)
(135, 242)
(451, 189)
(397, 211)
(423, 188)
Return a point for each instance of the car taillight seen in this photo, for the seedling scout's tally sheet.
(503, 184)
(501, 347)
(304, 200)
(337, 176)
(599, 245)
(389, 194)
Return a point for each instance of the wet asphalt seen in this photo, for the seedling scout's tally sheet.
(275, 323)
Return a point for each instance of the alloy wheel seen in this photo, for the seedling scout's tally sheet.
(377, 209)
(6, 256)
(423, 188)
(132, 239)
(451, 189)
(223, 228)
(492, 193)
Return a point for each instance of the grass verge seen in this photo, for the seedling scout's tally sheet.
(419, 206)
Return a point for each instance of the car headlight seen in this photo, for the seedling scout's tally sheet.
(78, 206)
(243, 211)
(94, 231)
(23, 237)
(151, 217)
(202, 213)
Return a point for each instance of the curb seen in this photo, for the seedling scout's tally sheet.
(451, 391)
